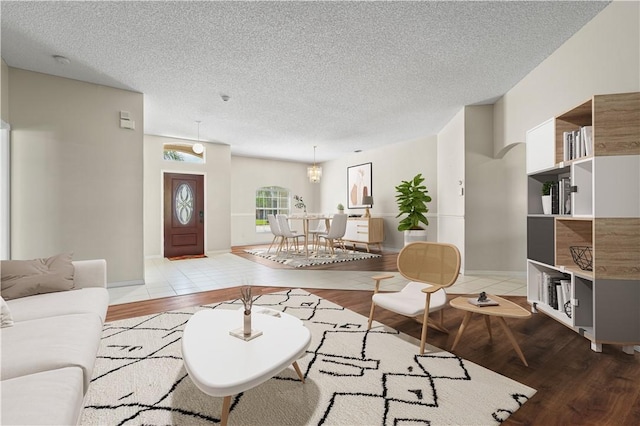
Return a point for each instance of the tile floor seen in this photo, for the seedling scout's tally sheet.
(165, 278)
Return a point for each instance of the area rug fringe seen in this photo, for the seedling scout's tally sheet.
(352, 376)
(300, 260)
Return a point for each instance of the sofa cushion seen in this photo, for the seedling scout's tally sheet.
(78, 301)
(28, 277)
(6, 320)
(45, 344)
(48, 398)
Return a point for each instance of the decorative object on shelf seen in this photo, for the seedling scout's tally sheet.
(314, 173)
(358, 185)
(546, 197)
(340, 208)
(582, 256)
(412, 198)
(368, 201)
(246, 332)
(299, 203)
(567, 308)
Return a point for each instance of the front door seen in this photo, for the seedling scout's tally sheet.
(183, 215)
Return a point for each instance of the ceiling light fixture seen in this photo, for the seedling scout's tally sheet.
(314, 172)
(198, 148)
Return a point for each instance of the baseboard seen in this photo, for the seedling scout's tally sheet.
(125, 283)
(519, 274)
(215, 252)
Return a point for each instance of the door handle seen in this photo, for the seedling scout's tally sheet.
(201, 216)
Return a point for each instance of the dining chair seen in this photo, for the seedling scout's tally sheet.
(275, 230)
(287, 233)
(335, 234)
(430, 267)
(320, 229)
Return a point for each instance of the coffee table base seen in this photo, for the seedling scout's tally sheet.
(505, 327)
(226, 402)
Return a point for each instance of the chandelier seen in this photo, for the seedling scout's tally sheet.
(314, 172)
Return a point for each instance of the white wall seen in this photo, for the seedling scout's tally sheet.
(76, 180)
(217, 172)
(451, 169)
(249, 174)
(390, 165)
(495, 212)
(603, 57)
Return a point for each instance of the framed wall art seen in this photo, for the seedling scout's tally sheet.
(358, 185)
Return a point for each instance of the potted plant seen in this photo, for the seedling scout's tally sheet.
(340, 208)
(546, 196)
(412, 198)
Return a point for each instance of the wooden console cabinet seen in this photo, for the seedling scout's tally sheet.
(365, 231)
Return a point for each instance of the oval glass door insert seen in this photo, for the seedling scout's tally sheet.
(184, 203)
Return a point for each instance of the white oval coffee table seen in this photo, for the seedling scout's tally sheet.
(222, 365)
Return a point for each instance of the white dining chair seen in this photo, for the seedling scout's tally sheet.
(287, 233)
(320, 229)
(335, 234)
(275, 230)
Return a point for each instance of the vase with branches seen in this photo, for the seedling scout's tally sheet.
(300, 204)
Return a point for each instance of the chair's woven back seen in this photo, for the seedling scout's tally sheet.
(432, 263)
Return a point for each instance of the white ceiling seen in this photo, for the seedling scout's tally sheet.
(344, 76)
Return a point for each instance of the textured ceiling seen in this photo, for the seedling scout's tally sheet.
(344, 76)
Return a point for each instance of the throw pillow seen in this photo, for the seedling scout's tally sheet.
(6, 320)
(22, 278)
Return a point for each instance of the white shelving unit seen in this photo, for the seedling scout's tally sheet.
(604, 304)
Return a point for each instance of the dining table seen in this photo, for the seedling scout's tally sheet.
(306, 218)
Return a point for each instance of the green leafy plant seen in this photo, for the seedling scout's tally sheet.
(412, 199)
(340, 206)
(546, 187)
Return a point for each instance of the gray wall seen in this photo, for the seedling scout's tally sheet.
(76, 180)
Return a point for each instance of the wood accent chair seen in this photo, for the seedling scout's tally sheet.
(430, 267)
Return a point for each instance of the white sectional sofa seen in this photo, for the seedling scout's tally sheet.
(49, 352)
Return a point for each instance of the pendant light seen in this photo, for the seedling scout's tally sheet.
(314, 172)
(198, 148)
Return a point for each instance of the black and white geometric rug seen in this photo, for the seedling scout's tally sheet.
(300, 259)
(353, 377)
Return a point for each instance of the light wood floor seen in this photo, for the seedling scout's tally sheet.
(575, 385)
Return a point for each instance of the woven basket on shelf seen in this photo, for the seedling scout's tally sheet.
(583, 257)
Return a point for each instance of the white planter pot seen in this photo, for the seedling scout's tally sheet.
(546, 204)
(414, 235)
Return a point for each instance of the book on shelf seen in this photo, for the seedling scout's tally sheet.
(547, 291)
(555, 198)
(577, 143)
(565, 195)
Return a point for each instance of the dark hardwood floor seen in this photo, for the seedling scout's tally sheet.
(575, 386)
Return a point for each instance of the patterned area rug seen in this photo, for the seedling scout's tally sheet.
(300, 260)
(352, 377)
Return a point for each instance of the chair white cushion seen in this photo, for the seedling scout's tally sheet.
(410, 300)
